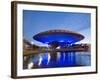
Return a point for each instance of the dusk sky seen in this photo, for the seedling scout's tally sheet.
(39, 21)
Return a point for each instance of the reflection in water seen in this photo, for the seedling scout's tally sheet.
(30, 65)
(59, 59)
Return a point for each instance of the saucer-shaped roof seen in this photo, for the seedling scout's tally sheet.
(59, 36)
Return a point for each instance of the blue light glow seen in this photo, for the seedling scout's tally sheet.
(57, 37)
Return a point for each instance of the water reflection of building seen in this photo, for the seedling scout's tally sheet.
(62, 51)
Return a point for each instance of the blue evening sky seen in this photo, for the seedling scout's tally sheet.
(39, 21)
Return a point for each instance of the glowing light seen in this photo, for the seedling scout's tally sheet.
(49, 57)
(30, 65)
(58, 47)
(32, 42)
(40, 60)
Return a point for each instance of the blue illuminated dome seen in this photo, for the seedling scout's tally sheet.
(59, 36)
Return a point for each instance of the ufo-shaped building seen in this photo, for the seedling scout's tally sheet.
(58, 37)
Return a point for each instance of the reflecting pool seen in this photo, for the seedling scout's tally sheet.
(59, 59)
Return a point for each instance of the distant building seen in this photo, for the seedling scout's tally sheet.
(28, 46)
